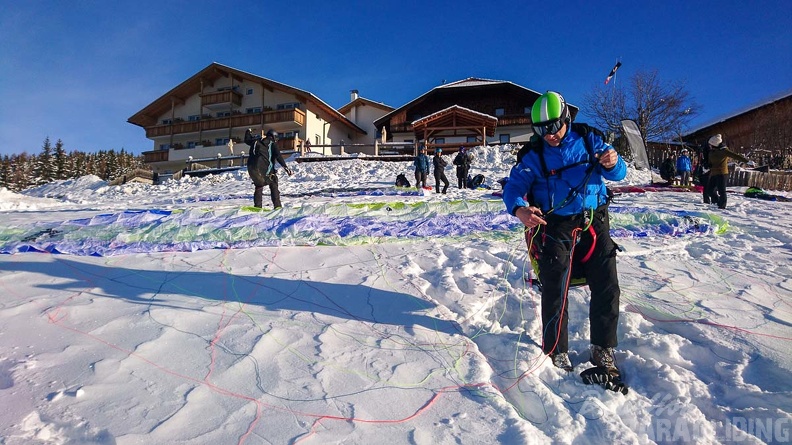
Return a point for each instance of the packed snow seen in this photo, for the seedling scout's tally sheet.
(390, 328)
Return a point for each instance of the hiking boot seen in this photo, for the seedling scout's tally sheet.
(602, 357)
(561, 360)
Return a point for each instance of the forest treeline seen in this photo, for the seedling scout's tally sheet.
(22, 171)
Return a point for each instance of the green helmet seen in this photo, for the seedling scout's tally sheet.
(549, 107)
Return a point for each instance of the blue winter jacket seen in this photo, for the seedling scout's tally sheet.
(567, 192)
(422, 163)
(683, 164)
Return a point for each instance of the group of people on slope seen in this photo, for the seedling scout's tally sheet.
(683, 167)
(712, 169)
(462, 161)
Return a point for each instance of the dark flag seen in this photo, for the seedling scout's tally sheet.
(612, 73)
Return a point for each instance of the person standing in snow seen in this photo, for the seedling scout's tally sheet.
(558, 187)
(683, 167)
(421, 164)
(439, 170)
(264, 153)
(462, 162)
(719, 155)
(703, 169)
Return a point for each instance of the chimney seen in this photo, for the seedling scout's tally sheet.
(354, 95)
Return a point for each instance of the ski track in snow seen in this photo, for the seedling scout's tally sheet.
(431, 341)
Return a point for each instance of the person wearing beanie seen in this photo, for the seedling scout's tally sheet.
(719, 155)
(439, 171)
(462, 162)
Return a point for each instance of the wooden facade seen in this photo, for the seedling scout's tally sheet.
(764, 129)
(507, 102)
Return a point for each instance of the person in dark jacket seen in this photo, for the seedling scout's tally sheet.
(462, 162)
(264, 153)
(421, 163)
(568, 205)
(439, 171)
(668, 171)
(719, 155)
(703, 169)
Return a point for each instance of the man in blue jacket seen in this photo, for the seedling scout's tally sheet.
(559, 188)
(684, 167)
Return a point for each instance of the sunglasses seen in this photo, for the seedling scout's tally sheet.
(548, 128)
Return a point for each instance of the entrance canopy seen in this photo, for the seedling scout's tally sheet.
(454, 121)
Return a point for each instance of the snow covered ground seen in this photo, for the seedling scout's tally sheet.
(362, 313)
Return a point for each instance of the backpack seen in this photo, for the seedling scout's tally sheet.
(476, 181)
(401, 180)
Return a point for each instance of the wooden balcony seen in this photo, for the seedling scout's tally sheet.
(503, 121)
(221, 99)
(401, 128)
(514, 119)
(155, 156)
(294, 116)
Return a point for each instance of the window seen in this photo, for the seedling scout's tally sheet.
(254, 110)
(193, 118)
(164, 146)
(527, 110)
(221, 141)
(288, 106)
(223, 113)
(439, 141)
(191, 144)
(504, 138)
(249, 91)
(499, 112)
(472, 139)
(166, 122)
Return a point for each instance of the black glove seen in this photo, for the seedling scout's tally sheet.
(288, 171)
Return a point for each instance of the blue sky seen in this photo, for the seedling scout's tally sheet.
(77, 70)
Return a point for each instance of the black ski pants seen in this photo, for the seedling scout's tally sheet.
(440, 175)
(717, 190)
(556, 248)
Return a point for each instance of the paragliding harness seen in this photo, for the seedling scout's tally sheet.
(576, 277)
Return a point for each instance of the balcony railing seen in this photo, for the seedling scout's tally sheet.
(514, 119)
(295, 116)
(155, 156)
(503, 121)
(221, 98)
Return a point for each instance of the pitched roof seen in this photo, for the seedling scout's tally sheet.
(723, 118)
(470, 82)
(457, 117)
(364, 101)
(210, 75)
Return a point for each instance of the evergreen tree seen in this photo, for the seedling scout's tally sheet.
(43, 165)
(59, 162)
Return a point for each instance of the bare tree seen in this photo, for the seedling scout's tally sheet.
(661, 110)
